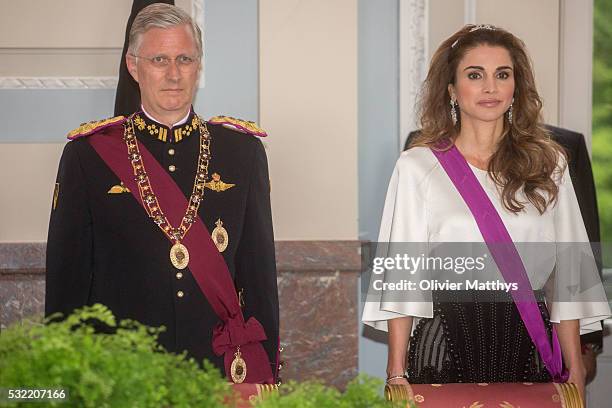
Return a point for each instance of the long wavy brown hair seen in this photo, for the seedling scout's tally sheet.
(526, 157)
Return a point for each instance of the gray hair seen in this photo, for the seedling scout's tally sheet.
(161, 15)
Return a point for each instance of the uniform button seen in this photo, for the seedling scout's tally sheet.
(172, 167)
(171, 152)
(179, 275)
(180, 293)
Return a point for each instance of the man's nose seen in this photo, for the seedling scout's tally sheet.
(172, 70)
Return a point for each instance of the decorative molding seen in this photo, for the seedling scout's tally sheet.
(413, 52)
(53, 51)
(85, 82)
(58, 82)
(197, 13)
(55, 82)
(576, 67)
(93, 82)
(469, 11)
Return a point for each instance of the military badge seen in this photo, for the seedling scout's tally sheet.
(218, 185)
(240, 125)
(89, 128)
(220, 236)
(238, 369)
(179, 256)
(118, 189)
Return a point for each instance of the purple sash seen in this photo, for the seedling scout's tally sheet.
(506, 257)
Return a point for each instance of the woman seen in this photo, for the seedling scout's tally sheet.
(480, 98)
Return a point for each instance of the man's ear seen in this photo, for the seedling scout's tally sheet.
(130, 61)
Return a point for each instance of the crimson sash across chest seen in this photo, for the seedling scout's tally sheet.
(206, 263)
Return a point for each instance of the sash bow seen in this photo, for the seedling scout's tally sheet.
(227, 336)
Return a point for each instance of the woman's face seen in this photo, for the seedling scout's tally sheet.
(484, 84)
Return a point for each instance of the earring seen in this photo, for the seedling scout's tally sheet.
(510, 112)
(453, 112)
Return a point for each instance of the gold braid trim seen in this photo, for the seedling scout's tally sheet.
(89, 128)
(240, 125)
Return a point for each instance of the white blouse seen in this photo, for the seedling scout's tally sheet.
(423, 205)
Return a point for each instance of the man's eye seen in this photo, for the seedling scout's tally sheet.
(474, 75)
(184, 59)
(159, 59)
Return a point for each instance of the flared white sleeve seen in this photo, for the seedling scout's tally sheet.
(575, 283)
(404, 220)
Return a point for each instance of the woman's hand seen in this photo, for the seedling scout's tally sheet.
(569, 339)
(399, 337)
(398, 381)
(577, 375)
(589, 359)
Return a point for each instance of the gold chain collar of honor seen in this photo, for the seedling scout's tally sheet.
(179, 256)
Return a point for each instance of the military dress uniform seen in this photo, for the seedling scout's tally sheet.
(104, 248)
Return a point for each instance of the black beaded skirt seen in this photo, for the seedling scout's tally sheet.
(476, 337)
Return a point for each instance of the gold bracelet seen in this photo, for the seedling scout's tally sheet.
(396, 377)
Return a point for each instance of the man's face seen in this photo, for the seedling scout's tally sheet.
(166, 90)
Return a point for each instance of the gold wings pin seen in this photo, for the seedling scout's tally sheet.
(218, 185)
(118, 189)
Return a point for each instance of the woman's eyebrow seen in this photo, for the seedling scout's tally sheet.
(482, 69)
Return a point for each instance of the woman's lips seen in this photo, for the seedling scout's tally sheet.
(489, 103)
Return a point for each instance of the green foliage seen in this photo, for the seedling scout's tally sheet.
(602, 117)
(129, 369)
(126, 369)
(602, 169)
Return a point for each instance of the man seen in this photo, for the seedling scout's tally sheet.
(165, 218)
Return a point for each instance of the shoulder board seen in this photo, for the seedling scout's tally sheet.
(89, 128)
(240, 125)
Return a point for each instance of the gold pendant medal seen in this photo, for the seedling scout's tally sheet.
(238, 369)
(220, 236)
(179, 256)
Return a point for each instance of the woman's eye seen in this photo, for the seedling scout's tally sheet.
(503, 75)
(474, 75)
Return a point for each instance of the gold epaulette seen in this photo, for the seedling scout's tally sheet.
(240, 125)
(89, 128)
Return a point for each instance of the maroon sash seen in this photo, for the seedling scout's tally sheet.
(205, 262)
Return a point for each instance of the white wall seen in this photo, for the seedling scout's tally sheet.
(535, 22)
(308, 104)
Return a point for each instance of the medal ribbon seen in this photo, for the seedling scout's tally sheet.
(206, 263)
